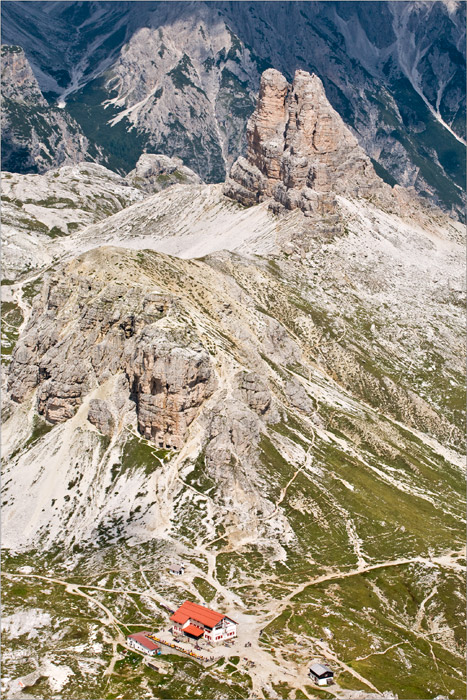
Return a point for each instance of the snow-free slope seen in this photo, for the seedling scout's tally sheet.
(273, 395)
(38, 210)
(181, 78)
(188, 221)
(317, 492)
(320, 466)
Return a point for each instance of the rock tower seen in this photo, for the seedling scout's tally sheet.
(300, 153)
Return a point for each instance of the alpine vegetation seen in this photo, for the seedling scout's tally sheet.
(232, 341)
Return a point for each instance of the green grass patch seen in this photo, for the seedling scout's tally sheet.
(199, 478)
(205, 589)
(12, 318)
(138, 454)
(32, 289)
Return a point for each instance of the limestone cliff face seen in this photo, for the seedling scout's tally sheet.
(35, 136)
(82, 333)
(18, 80)
(300, 152)
(169, 384)
(267, 125)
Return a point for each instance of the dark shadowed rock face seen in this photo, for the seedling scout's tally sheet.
(35, 136)
(300, 152)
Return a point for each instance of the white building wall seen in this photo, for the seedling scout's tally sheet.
(227, 630)
(136, 645)
(322, 681)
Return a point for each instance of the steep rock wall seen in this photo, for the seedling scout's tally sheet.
(300, 152)
(82, 333)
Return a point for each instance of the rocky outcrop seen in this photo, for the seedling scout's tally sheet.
(40, 210)
(300, 153)
(154, 172)
(35, 136)
(61, 394)
(267, 125)
(100, 416)
(254, 392)
(18, 80)
(85, 332)
(298, 397)
(169, 384)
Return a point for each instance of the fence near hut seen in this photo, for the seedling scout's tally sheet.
(181, 650)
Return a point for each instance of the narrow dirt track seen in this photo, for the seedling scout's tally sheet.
(267, 668)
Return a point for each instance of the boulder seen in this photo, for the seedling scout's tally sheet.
(100, 416)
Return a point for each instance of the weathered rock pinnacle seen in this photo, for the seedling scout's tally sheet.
(300, 152)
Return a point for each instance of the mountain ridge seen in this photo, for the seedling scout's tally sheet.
(386, 92)
(35, 136)
(272, 395)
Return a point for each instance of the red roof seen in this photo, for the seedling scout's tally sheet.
(141, 638)
(196, 612)
(180, 617)
(195, 631)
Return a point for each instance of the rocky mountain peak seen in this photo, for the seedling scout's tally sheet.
(266, 126)
(300, 151)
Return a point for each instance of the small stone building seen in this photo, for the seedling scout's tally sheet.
(321, 674)
(177, 569)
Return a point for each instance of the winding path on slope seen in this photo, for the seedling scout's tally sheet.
(444, 560)
(266, 669)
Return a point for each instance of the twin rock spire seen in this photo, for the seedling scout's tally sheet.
(300, 153)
